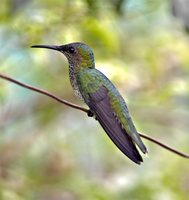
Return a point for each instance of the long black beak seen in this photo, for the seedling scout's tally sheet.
(54, 47)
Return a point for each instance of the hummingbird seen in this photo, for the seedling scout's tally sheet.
(103, 99)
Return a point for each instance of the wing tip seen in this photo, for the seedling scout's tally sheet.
(138, 162)
(137, 158)
(133, 154)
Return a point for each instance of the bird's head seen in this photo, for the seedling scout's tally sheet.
(78, 54)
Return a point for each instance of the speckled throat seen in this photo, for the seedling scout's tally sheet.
(73, 81)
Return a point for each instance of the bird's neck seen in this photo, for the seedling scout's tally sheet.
(75, 66)
(73, 71)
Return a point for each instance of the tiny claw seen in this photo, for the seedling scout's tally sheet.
(90, 113)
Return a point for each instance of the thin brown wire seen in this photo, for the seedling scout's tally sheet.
(46, 93)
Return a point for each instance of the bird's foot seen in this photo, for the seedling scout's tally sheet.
(91, 114)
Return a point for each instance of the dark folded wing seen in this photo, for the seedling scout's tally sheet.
(99, 103)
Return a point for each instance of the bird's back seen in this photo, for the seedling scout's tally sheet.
(90, 80)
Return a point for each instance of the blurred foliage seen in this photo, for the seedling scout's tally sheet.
(51, 152)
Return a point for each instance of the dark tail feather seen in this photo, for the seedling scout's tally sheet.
(123, 141)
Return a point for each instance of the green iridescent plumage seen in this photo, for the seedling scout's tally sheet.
(102, 97)
(90, 80)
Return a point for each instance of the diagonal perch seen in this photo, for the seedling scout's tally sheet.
(46, 93)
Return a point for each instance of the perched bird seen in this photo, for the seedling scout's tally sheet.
(102, 97)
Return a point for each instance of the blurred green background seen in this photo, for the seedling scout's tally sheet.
(52, 152)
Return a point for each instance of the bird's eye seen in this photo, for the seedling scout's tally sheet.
(71, 50)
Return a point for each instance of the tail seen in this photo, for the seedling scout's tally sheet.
(136, 138)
